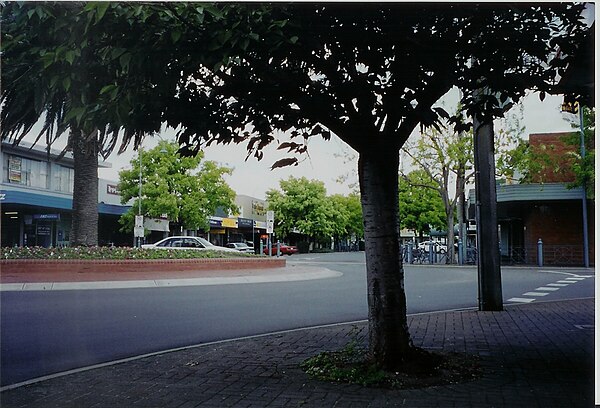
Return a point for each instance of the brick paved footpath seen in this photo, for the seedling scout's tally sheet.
(534, 355)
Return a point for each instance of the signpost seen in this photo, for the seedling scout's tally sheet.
(138, 230)
(270, 224)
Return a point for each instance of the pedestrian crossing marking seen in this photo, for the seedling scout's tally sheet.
(520, 300)
(535, 294)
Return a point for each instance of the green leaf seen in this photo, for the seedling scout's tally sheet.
(70, 57)
(175, 36)
(48, 59)
(66, 83)
(124, 60)
(107, 88)
(75, 113)
(101, 8)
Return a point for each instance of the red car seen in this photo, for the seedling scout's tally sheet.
(283, 249)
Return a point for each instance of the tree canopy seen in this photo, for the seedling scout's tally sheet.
(185, 189)
(421, 207)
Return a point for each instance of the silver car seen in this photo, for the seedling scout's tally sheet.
(183, 242)
(240, 246)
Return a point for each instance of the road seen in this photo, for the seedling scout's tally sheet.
(48, 332)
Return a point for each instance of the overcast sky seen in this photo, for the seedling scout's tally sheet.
(327, 161)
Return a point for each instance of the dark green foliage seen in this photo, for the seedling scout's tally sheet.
(110, 253)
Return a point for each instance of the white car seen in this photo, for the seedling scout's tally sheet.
(195, 243)
(439, 247)
(240, 246)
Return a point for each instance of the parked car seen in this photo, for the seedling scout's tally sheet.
(195, 243)
(439, 247)
(240, 246)
(284, 249)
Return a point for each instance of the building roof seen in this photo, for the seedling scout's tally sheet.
(533, 192)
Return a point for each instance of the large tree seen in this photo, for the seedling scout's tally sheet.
(302, 206)
(187, 189)
(370, 73)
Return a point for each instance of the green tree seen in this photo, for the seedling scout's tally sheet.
(349, 216)
(421, 207)
(445, 157)
(584, 167)
(302, 206)
(186, 189)
(371, 74)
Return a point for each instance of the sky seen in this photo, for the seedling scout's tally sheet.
(327, 161)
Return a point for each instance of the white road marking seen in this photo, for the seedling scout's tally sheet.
(520, 300)
(567, 273)
(575, 279)
(547, 288)
(535, 294)
(562, 285)
(565, 281)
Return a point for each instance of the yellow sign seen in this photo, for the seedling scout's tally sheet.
(229, 222)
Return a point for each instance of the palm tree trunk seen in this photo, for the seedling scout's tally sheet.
(84, 227)
(389, 340)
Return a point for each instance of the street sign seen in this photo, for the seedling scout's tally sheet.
(138, 231)
(270, 221)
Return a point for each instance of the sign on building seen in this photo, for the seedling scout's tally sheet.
(270, 221)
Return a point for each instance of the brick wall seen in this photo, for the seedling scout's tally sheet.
(553, 147)
(559, 225)
(9, 266)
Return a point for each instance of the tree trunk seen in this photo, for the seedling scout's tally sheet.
(389, 340)
(488, 258)
(449, 208)
(84, 227)
(461, 216)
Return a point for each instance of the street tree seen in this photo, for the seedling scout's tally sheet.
(421, 207)
(256, 73)
(59, 70)
(348, 217)
(186, 189)
(445, 158)
(302, 206)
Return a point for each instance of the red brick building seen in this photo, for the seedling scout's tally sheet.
(545, 210)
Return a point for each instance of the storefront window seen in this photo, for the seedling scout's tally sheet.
(20, 170)
(62, 178)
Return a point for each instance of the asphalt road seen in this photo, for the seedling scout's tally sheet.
(49, 332)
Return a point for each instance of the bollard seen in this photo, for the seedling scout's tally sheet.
(261, 247)
(270, 246)
(431, 253)
(278, 249)
(410, 253)
(540, 252)
(461, 256)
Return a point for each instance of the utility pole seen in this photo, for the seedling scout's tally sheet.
(486, 214)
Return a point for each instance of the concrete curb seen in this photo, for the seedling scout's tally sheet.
(315, 273)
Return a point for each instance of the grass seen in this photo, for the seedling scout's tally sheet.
(116, 253)
(354, 365)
